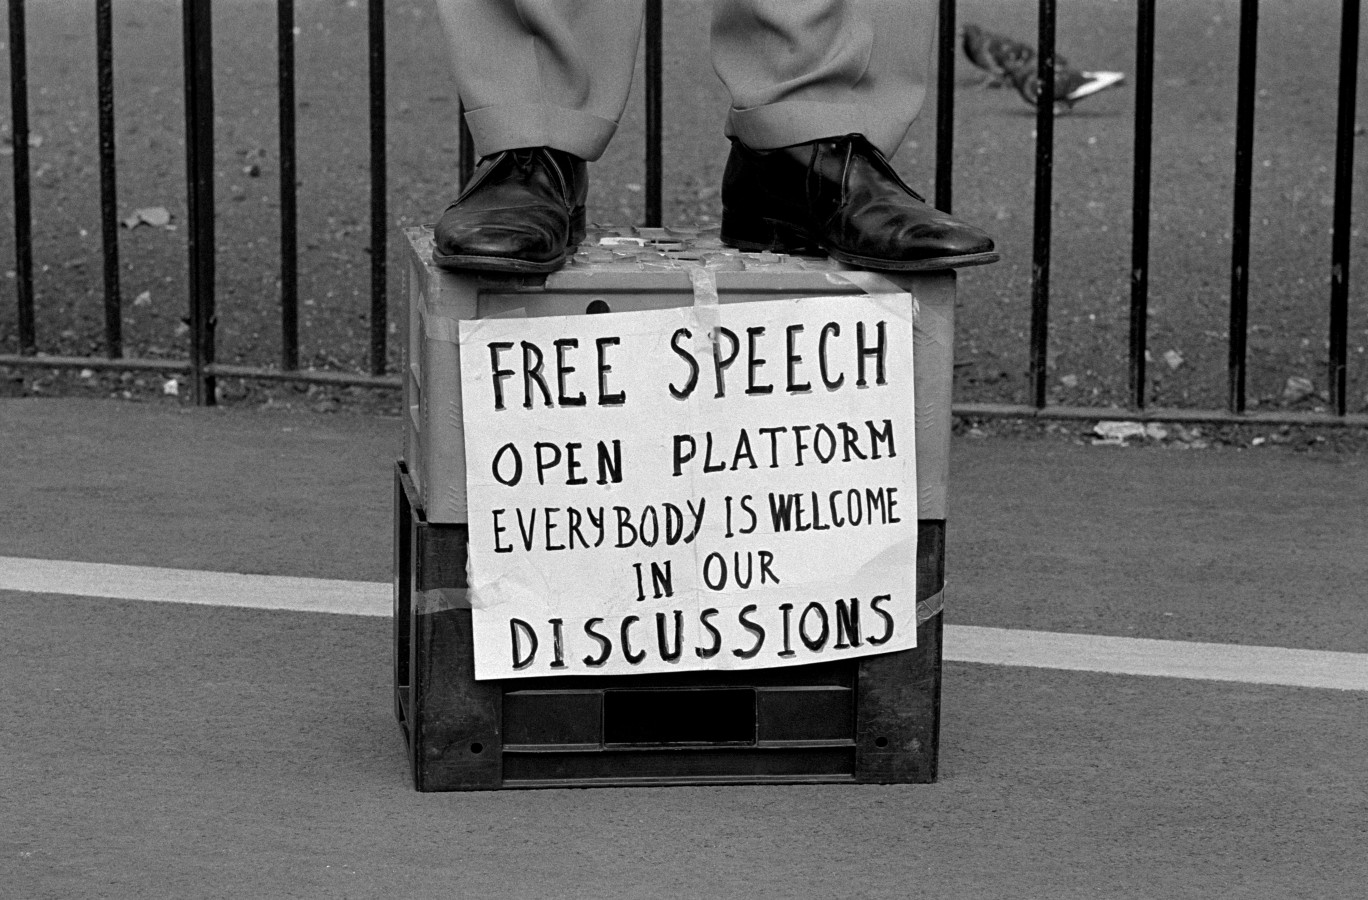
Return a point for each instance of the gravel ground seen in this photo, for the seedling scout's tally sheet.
(1190, 244)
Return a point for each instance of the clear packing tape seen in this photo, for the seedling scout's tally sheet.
(442, 599)
(704, 281)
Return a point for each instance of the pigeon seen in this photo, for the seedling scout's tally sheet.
(997, 55)
(1011, 62)
(1070, 86)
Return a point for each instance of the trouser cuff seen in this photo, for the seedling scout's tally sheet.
(508, 126)
(799, 121)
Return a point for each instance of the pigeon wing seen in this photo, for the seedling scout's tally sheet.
(975, 43)
(1010, 55)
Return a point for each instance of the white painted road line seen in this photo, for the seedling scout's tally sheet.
(1166, 659)
(322, 595)
(963, 643)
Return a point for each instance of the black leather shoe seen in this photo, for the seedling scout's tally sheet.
(841, 196)
(523, 211)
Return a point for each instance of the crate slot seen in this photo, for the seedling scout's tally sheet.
(552, 718)
(806, 713)
(679, 716)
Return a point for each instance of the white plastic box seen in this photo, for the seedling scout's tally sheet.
(636, 269)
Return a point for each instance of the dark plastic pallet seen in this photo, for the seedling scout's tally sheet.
(874, 719)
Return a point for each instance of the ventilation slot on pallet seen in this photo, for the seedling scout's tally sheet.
(655, 717)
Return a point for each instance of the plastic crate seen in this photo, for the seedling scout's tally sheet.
(874, 719)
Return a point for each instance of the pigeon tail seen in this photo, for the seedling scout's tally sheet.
(1071, 85)
(1094, 82)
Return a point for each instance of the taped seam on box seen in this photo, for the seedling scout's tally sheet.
(440, 600)
(869, 282)
(874, 283)
(931, 606)
(705, 303)
(439, 328)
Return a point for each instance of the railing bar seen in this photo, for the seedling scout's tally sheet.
(109, 195)
(23, 208)
(654, 118)
(1343, 214)
(219, 370)
(466, 147)
(1183, 416)
(1244, 167)
(289, 204)
(95, 363)
(309, 376)
(379, 313)
(199, 168)
(963, 410)
(1140, 199)
(1044, 190)
(945, 108)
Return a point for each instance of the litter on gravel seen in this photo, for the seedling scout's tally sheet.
(1298, 388)
(156, 216)
(1117, 433)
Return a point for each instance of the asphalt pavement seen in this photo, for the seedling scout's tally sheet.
(170, 750)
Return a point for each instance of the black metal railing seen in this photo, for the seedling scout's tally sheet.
(1044, 206)
(289, 196)
(1237, 355)
(379, 225)
(1343, 214)
(203, 369)
(1140, 201)
(109, 204)
(199, 193)
(200, 364)
(1244, 182)
(23, 206)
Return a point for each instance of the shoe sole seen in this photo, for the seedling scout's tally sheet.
(784, 239)
(462, 263)
(933, 264)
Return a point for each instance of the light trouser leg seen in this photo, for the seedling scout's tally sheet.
(799, 70)
(537, 73)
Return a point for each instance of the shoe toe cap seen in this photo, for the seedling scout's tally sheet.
(959, 239)
(519, 240)
(921, 238)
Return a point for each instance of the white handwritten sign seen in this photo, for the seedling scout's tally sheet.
(645, 498)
